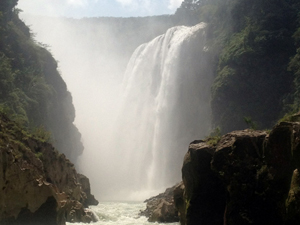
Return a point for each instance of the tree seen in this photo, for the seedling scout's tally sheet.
(6, 7)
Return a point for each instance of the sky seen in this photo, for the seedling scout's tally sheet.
(99, 8)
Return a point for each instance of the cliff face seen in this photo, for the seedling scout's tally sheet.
(253, 63)
(252, 43)
(32, 91)
(37, 184)
(249, 177)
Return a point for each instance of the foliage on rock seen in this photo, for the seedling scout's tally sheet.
(38, 185)
(252, 43)
(214, 137)
(31, 90)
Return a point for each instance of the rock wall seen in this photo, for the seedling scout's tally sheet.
(204, 195)
(37, 184)
(248, 177)
(32, 90)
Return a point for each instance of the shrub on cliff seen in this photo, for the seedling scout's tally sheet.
(252, 77)
(214, 137)
(32, 91)
(251, 43)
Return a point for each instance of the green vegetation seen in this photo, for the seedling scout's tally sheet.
(256, 47)
(12, 136)
(252, 125)
(214, 137)
(39, 155)
(290, 117)
(41, 133)
(32, 92)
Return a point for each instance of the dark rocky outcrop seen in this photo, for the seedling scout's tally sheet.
(161, 208)
(204, 195)
(238, 160)
(179, 202)
(248, 177)
(37, 184)
(86, 188)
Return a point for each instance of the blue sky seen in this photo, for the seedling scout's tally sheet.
(99, 8)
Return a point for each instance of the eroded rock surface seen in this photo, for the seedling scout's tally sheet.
(248, 177)
(37, 184)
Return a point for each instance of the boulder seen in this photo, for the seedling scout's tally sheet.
(161, 208)
(37, 184)
(248, 177)
(164, 212)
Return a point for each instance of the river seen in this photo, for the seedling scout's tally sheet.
(120, 213)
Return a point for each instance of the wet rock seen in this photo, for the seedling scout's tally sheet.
(164, 212)
(161, 208)
(86, 188)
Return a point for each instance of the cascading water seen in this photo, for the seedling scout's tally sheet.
(165, 106)
(136, 126)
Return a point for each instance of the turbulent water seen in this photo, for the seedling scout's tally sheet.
(165, 107)
(136, 125)
(119, 213)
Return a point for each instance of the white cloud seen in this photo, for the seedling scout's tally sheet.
(174, 4)
(126, 2)
(77, 2)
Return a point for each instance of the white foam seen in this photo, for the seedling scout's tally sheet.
(120, 213)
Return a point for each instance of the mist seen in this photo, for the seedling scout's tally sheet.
(134, 138)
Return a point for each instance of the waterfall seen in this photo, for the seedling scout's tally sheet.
(165, 106)
(135, 126)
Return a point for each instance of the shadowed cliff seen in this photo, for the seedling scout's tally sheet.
(32, 91)
(247, 177)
